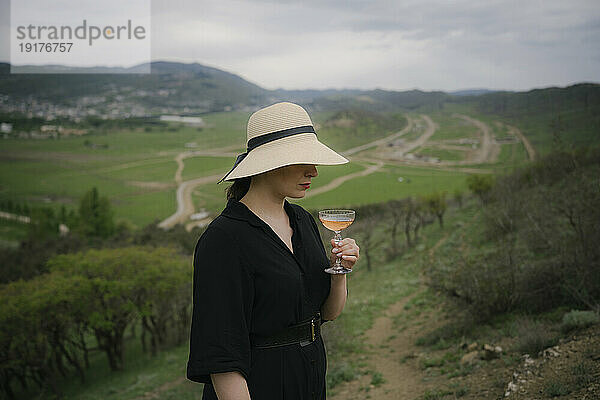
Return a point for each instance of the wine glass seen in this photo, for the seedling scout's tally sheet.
(336, 221)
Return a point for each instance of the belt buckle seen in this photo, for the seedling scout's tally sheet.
(313, 322)
(313, 335)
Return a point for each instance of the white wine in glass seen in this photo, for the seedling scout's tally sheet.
(336, 221)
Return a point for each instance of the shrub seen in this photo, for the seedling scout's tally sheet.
(533, 337)
(556, 388)
(539, 249)
(343, 372)
(578, 320)
(377, 379)
(446, 333)
(583, 373)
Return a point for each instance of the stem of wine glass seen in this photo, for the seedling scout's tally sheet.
(338, 238)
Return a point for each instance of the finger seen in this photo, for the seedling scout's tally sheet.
(349, 261)
(346, 241)
(352, 251)
(347, 247)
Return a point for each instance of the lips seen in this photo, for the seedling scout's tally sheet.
(305, 185)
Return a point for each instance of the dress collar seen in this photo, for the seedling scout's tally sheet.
(237, 210)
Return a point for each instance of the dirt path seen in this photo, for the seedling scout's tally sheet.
(222, 152)
(421, 140)
(185, 205)
(156, 393)
(530, 150)
(380, 142)
(486, 149)
(20, 218)
(339, 180)
(402, 380)
(423, 164)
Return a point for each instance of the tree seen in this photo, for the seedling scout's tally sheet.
(409, 219)
(370, 217)
(43, 224)
(395, 211)
(480, 185)
(110, 273)
(436, 204)
(36, 326)
(129, 283)
(419, 213)
(458, 197)
(96, 216)
(162, 295)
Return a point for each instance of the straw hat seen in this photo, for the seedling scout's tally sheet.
(279, 135)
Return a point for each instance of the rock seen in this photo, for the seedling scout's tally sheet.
(512, 388)
(489, 353)
(470, 358)
(498, 349)
(528, 361)
(550, 352)
(472, 347)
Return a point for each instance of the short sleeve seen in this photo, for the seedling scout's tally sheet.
(222, 307)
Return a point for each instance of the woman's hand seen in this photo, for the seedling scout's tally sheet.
(347, 249)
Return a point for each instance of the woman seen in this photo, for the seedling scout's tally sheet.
(260, 290)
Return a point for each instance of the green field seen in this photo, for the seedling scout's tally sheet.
(137, 169)
(452, 128)
(343, 138)
(442, 154)
(212, 197)
(196, 167)
(154, 170)
(383, 185)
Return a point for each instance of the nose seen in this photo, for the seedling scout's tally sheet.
(311, 171)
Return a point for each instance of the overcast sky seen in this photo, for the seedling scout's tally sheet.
(388, 44)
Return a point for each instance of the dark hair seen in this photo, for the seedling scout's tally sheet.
(239, 188)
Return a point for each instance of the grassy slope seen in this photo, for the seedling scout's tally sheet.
(369, 294)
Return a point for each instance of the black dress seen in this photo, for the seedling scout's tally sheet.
(247, 281)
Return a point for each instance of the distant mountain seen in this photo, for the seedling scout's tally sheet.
(471, 92)
(548, 117)
(170, 86)
(178, 88)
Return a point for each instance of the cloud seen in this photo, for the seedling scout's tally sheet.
(427, 44)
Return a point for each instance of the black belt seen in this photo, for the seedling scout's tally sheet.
(303, 333)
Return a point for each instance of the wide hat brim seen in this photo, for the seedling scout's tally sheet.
(302, 148)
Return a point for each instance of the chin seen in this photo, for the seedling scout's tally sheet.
(297, 195)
